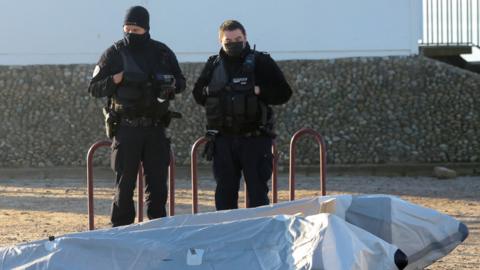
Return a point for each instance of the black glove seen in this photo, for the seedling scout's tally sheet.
(165, 85)
(209, 148)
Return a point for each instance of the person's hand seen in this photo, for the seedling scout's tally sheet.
(117, 78)
(167, 92)
(171, 89)
(257, 90)
(209, 149)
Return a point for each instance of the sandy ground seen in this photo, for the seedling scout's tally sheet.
(34, 209)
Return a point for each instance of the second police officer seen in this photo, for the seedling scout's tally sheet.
(138, 75)
(236, 88)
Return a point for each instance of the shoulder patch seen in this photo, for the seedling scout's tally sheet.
(96, 71)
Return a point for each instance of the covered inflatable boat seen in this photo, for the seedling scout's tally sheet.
(331, 232)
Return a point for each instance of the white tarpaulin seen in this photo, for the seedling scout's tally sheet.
(279, 242)
(283, 242)
(425, 235)
(366, 232)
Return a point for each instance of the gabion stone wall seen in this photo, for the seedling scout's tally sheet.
(369, 110)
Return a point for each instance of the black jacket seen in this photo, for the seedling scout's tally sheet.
(151, 57)
(274, 89)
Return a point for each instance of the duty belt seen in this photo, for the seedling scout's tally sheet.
(253, 133)
(140, 122)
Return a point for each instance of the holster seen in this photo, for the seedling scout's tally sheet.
(167, 118)
(112, 121)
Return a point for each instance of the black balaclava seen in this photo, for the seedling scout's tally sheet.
(138, 16)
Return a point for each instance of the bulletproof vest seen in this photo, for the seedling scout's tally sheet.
(136, 96)
(231, 102)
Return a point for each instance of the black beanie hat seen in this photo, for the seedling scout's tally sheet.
(138, 16)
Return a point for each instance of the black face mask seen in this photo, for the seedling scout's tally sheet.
(234, 48)
(135, 40)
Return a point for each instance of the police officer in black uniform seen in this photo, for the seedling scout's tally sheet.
(139, 76)
(236, 88)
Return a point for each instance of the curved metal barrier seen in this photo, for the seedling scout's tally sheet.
(275, 173)
(171, 184)
(323, 160)
(193, 171)
(194, 175)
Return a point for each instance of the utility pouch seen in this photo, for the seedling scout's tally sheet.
(252, 108)
(129, 93)
(238, 105)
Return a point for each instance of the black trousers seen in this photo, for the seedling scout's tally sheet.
(132, 145)
(234, 155)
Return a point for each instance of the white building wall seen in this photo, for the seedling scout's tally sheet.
(64, 32)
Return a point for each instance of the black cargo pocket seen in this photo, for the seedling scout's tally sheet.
(115, 155)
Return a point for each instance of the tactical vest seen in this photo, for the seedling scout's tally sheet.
(136, 96)
(231, 103)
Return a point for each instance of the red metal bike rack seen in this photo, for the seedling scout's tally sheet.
(323, 160)
(171, 184)
(193, 168)
(275, 173)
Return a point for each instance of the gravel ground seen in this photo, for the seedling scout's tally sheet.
(36, 208)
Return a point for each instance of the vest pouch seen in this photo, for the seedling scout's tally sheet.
(129, 93)
(252, 108)
(214, 111)
(137, 78)
(238, 105)
(132, 86)
(148, 95)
